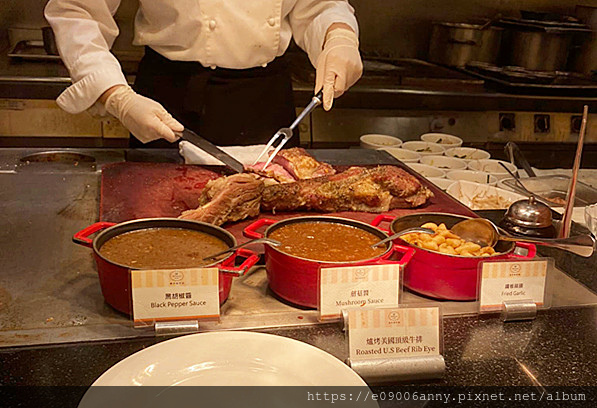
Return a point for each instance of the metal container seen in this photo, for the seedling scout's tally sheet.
(540, 50)
(584, 55)
(444, 276)
(49, 41)
(115, 278)
(295, 279)
(457, 44)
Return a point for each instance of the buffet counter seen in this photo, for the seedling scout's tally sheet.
(56, 329)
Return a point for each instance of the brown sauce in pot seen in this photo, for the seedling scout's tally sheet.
(162, 248)
(327, 241)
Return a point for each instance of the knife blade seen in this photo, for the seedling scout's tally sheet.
(212, 149)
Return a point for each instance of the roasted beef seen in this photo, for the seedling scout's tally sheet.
(357, 189)
(273, 171)
(227, 199)
(301, 165)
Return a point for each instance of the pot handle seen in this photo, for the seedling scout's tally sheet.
(251, 230)
(407, 254)
(463, 42)
(531, 250)
(382, 218)
(81, 237)
(228, 265)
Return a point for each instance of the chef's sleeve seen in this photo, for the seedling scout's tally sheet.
(310, 20)
(85, 31)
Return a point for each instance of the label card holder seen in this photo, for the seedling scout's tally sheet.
(357, 286)
(515, 288)
(395, 343)
(174, 295)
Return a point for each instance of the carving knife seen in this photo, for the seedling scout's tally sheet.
(212, 149)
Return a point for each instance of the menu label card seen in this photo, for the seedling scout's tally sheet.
(357, 286)
(393, 332)
(175, 294)
(507, 281)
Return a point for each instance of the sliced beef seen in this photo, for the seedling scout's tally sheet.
(273, 171)
(228, 199)
(301, 165)
(357, 189)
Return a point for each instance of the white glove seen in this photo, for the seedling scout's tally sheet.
(146, 119)
(339, 65)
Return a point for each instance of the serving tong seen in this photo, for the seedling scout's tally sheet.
(284, 134)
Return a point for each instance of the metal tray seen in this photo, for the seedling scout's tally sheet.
(32, 50)
(555, 187)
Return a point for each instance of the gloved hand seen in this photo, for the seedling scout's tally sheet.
(146, 119)
(339, 65)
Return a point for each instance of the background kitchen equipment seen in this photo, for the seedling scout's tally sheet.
(456, 44)
(541, 45)
(584, 50)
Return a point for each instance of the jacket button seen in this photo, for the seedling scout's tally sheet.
(271, 21)
(212, 24)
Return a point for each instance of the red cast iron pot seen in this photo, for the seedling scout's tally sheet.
(115, 278)
(444, 276)
(295, 279)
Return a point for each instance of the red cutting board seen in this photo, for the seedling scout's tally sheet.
(133, 190)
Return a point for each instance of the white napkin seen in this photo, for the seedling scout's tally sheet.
(244, 154)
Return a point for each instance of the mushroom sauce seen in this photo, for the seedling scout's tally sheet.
(327, 241)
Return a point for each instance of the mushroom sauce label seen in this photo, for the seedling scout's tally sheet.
(357, 286)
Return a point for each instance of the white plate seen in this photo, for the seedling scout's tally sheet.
(231, 358)
(482, 196)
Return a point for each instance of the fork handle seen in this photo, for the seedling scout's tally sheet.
(316, 100)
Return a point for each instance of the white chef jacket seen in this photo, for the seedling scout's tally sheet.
(233, 34)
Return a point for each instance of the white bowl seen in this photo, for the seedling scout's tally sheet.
(591, 218)
(405, 156)
(442, 183)
(375, 141)
(493, 166)
(426, 171)
(424, 148)
(482, 196)
(480, 177)
(444, 139)
(467, 153)
(444, 162)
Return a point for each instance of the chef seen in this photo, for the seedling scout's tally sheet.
(214, 66)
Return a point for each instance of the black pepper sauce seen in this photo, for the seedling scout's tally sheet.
(162, 248)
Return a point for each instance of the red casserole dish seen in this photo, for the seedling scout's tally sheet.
(295, 279)
(444, 276)
(115, 278)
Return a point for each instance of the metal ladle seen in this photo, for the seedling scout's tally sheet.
(485, 233)
(263, 240)
(403, 232)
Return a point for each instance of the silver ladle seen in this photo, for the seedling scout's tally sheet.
(403, 232)
(485, 233)
(263, 240)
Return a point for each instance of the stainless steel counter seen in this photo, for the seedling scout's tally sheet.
(49, 290)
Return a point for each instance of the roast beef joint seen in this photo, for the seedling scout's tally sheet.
(298, 182)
